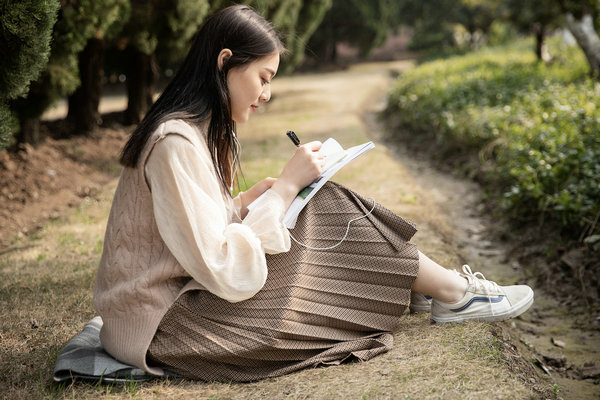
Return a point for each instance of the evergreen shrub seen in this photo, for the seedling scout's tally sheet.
(535, 127)
(25, 33)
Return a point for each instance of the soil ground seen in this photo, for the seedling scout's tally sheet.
(55, 200)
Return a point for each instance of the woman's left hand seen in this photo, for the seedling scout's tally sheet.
(254, 193)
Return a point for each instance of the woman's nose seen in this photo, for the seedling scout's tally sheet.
(266, 94)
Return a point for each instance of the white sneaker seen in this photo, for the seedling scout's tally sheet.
(484, 301)
(419, 303)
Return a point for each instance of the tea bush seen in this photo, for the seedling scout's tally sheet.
(535, 127)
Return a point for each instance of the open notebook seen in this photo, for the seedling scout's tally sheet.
(335, 157)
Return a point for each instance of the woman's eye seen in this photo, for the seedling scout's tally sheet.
(265, 82)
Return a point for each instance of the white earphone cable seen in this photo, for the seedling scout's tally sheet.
(238, 148)
(342, 240)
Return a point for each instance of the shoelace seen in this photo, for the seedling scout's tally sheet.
(480, 282)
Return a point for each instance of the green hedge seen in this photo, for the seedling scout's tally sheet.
(536, 127)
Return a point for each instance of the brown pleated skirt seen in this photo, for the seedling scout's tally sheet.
(317, 306)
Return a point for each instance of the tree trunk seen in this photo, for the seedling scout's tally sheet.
(30, 131)
(541, 50)
(587, 38)
(141, 81)
(332, 51)
(539, 43)
(83, 103)
(329, 49)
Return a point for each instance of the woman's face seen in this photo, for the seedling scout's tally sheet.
(250, 86)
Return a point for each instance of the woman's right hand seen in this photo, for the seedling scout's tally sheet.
(303, 168)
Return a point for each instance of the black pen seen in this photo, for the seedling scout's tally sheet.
(293, 138)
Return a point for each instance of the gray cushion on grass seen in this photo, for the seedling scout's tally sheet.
(84, 358)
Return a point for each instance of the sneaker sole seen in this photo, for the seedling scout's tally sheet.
(515, 311)
(419, 309)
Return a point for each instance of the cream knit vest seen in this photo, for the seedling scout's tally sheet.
(138, 278)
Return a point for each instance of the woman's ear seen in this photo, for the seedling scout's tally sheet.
(223, 57)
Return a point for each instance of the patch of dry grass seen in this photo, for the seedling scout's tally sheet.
(46, 286)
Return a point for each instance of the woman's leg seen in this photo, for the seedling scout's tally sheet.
(438, 282)
(468, 296)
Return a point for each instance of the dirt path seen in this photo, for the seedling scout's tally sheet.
(48, 276)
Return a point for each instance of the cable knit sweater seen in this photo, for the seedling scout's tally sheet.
(172, 229)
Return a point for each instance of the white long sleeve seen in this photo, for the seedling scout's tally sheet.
(197, 222)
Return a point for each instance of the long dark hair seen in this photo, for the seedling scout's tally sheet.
(199, 89)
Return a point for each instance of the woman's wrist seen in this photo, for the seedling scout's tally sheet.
(286, 190)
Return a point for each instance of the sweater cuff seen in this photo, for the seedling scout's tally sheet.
(237, 206)
(265, 219)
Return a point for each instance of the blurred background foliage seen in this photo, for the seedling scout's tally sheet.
(490, 83)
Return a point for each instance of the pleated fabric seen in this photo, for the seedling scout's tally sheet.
(317, 307)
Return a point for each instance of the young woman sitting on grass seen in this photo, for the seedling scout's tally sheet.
(192, 282)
